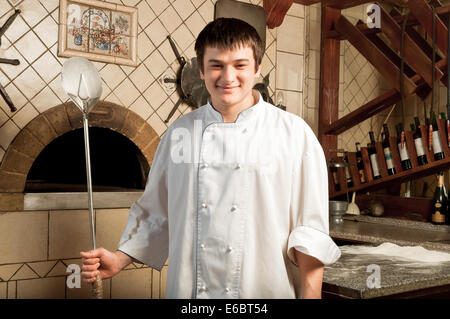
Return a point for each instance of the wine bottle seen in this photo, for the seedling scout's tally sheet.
(418, 142)
(439, 213)
(387, 151)
(373, 156)
(437, 145)
(334, 173)
(404, 155)
(360, 163)
(348, 177)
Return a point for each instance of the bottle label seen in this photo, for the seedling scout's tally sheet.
(388, 156)
(419, 146)
(374, 162)
(362, 177)
(437, 217)
(437, 146)
(403, 152)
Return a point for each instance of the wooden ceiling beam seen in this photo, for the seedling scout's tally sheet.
(422, 12)
(374, 55)
(413, 54)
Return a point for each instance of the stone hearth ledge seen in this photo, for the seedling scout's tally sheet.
(59, 201)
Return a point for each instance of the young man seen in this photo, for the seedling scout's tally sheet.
(237, 195)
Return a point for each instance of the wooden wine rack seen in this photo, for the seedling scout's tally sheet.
(386, 180)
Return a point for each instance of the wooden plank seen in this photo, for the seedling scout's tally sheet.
(366, 162)
(385, 66)
(430, 155)
(410, 145)
(422, 12)
(415, 57)
(329, 79)
(387, 51)
(369, 109)
(395, 154)
(442, 125)
(344, 4)
(381, 159)
(411, 174)
(353, 168)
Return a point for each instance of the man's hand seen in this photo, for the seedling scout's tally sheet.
(102, 262)
(311, 275)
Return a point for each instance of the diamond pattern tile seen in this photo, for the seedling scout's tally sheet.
(195, 23)
(126, 92)
(141, 77)
(156, 32)
(145, 14)
(183, 37)
(45, 100)
(155, 95)
(32, 12)
(184, 8)
(12, 71)
(145, 46)
(158, 6)
(29, 83)
(156, 64)
(30, 46)
(112, 74)
(170, 19)
(23, 116)
(206, 10)
(17, 29)
(47, 31)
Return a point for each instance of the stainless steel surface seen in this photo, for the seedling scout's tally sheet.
(82, 83)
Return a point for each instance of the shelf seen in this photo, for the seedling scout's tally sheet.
(386, 180)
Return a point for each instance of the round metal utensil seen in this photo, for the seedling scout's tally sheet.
(83, 85)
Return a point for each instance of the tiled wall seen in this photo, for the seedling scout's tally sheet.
(36, 247)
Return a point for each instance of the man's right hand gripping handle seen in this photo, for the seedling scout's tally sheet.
(102, 262)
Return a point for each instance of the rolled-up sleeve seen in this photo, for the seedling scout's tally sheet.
(309, 204)
(146, 235)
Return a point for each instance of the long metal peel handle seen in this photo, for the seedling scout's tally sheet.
(97, 288)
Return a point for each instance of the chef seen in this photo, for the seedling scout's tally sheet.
(237, 195)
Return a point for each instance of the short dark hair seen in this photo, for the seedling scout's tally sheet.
(228, 33)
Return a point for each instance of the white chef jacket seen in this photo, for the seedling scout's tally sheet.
(227, 204)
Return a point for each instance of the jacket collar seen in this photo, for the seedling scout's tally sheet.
(244, 116)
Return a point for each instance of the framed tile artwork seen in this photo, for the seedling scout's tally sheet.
(98, 31)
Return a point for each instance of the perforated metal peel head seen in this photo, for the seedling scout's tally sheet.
(82, 83)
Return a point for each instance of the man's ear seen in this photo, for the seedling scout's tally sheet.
(201, 74)
(258, 72)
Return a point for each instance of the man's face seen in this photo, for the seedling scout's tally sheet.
(229, 75)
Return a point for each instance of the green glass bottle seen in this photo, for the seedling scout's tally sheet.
(360, 163)
(440, 199)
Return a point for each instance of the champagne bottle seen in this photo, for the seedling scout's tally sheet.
(359, 163)
(387, 151)
(437, 145)
(439, 213)
(373, 156)
(418, 142)
(404, 155)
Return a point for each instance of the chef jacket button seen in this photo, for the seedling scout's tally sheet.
(202, 246)
(233, 208)
(244, 130)
(205, 165)
(229, 249)
(204, 288)
(204, 205)
(238, 166)
(228, 290)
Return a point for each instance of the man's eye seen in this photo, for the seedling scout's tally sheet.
(215, 66)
